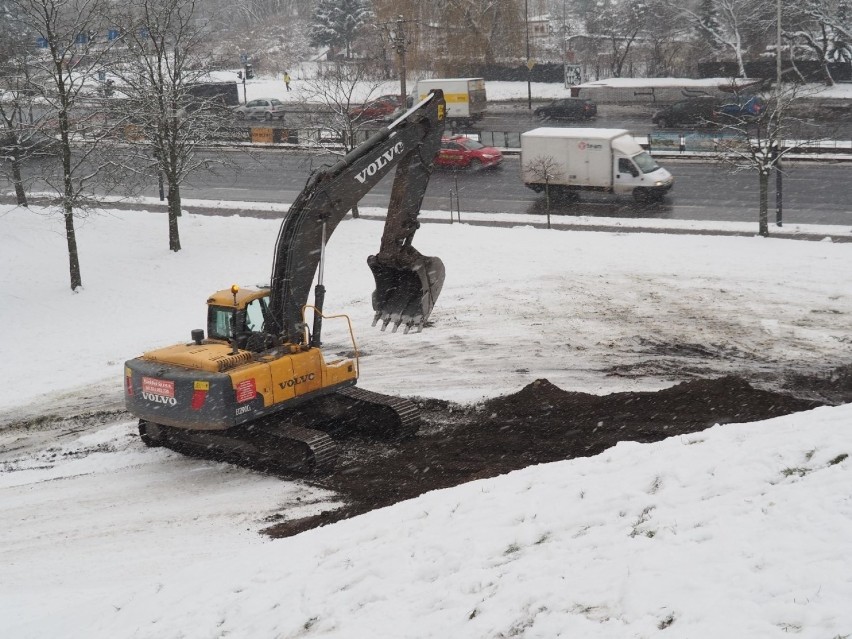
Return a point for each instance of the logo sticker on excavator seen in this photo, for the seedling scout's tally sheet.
(158, 386)
(161, 391)
(246, 391)
(440, 111)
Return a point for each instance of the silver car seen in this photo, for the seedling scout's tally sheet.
(261, 109)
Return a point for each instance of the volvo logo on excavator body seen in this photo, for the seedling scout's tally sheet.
(380, 162)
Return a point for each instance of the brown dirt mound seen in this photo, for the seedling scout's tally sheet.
(540, 423)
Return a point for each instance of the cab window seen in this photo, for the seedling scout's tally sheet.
(646, 162)
(626, 166)
(254, 315)
(219, 322)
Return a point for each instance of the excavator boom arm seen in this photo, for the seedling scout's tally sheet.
(406, 282)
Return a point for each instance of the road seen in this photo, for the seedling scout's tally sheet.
(517, 117)
(813, 194)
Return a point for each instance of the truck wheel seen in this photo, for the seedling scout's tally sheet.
(647, 195)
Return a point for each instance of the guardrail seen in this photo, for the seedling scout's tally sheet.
(660, 143)
(689, 144)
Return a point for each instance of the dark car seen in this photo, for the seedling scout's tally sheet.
(382, 108)
(697, 111)
(462, 152)
(568, 109)
(744, 107)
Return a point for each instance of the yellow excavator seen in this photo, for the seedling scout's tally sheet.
(257, 389)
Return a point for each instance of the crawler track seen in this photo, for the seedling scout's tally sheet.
(298, 441)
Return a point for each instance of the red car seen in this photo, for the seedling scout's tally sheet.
(382, 108)
(461, 152)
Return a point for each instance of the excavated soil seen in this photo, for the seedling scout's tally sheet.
(542, 423)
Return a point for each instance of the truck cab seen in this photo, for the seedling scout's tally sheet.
(635, 172)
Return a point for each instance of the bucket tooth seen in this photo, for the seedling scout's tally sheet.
(376, 317)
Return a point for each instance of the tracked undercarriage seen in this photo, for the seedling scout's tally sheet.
(301, 440)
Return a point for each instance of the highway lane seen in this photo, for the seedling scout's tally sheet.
(813, 193)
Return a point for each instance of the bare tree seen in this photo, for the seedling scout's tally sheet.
(18, 132)
(823, 27)
(544, 168)
(728, 24)
(481, 30)
(166, 58)
(761, 143)
(620, 22)
(72, 51)
(340, 89)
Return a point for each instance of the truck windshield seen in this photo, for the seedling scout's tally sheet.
(645, 162)
(219, 322)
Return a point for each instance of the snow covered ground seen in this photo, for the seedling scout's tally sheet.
(738, 531)
(266, 86)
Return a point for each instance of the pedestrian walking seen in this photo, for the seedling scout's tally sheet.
(287, 80)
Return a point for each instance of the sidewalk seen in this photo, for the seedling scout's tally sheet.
(275, 210)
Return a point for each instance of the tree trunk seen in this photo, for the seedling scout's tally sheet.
(68, 202)
(73, 258)
(826, 74)
(763, 221)
(20, 193)
(174, 212)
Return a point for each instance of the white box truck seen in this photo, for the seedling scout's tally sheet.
(577, 159)
(466, 101)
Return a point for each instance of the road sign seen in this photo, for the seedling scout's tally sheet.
(530, 64)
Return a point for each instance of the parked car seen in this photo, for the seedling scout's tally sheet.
(382, 108)
(568, 108)
(462, 152)
(708, 111)
(697, 111)
(261, 109)
(744, 107)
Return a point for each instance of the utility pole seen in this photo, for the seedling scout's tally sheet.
(529, 62)
(778, 179)
(399, 40)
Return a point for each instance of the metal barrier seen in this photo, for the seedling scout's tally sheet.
(663, 143)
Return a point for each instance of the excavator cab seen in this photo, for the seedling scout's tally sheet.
(240, 316)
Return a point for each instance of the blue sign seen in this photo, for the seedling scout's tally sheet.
(113, 34)
(41, 43)
(81, 38)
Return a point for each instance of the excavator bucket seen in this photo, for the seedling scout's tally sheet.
(406, 295)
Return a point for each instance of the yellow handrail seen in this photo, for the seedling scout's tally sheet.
(325, 317)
